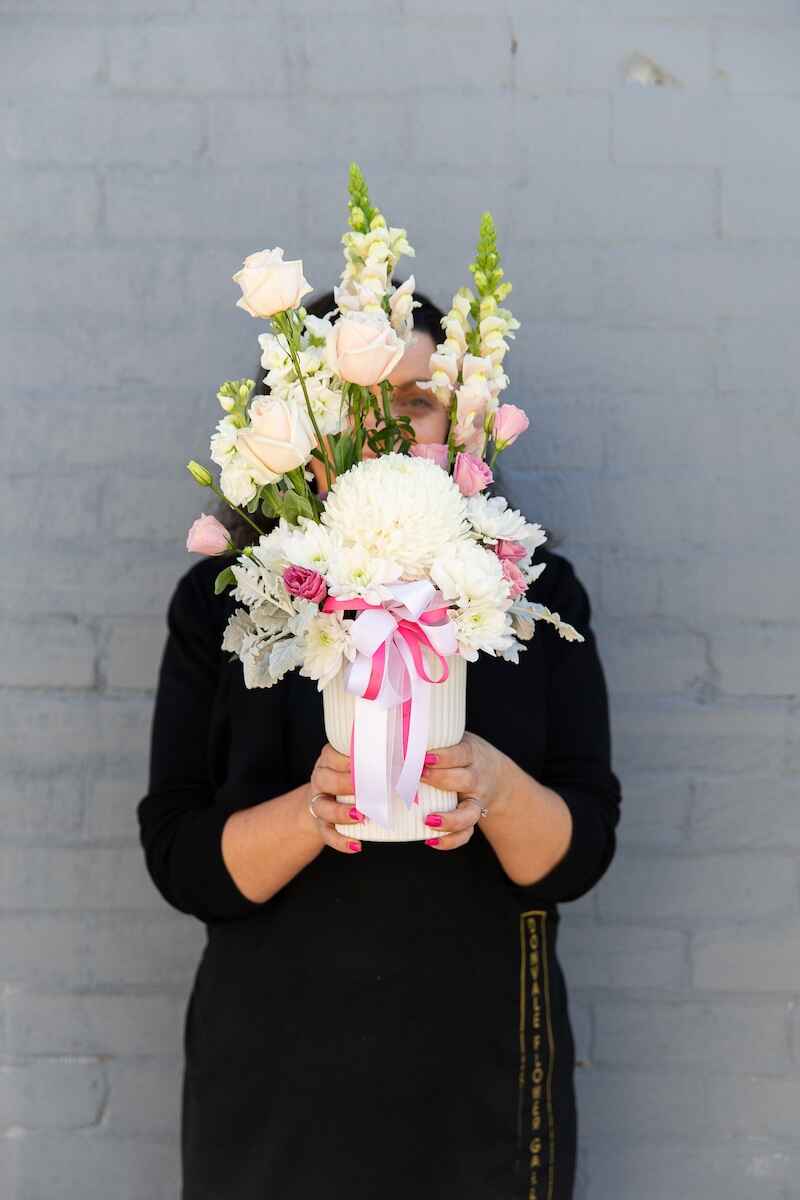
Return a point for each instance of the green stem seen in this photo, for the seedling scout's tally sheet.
(451, 435)
(286, 329)
(240, 511)
(388, 420)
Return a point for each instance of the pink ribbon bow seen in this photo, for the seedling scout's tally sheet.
(392, 689)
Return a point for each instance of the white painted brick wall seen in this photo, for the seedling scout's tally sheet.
(651, 237)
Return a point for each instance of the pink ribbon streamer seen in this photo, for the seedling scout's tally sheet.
(392, 688)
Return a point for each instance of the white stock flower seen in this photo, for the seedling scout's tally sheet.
(326, 398)
(399, 508)
(236, 482)
(223, 442)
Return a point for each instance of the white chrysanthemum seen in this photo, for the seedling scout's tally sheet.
(311, 545)
(398, 508)
(468, 574)
(482, 627)
(327, 642)
(492, 519)
(356, 571)
(271, 548)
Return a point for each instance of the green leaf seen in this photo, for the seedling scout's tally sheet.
(224, 578)
(295, 506)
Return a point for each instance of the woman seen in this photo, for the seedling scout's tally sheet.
(395, 1026)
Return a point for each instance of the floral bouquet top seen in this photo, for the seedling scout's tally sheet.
(406, 545)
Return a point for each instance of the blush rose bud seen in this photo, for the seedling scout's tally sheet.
(207, 535)
(509, 423)
(471, 474)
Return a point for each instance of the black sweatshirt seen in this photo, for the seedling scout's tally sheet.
(385, 988)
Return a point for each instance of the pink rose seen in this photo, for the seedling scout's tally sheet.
(207, 535)
(515, 577)
(435, 451)
(509, 423)
(471, 474)
(302, 581)
(363, 348)
(507, 549)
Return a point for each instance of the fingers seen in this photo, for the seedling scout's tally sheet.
(453, 828)
(335, 783)
(451, 779)
(458, 755)
(329, 812)
(333, 773)
(332, 758)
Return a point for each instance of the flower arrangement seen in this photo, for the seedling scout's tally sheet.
(407, 540)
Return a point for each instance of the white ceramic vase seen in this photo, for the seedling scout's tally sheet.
(445, 727)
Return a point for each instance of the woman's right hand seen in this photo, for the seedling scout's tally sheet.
(332, 776)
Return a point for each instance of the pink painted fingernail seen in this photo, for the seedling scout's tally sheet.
(355, 814)
(430, 759)
(354, 845)
(431, 841)
(433, 819)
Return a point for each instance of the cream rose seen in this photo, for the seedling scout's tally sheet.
(363, 348)
(277, 440)
(270, 285)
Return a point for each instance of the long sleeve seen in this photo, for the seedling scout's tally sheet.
(577, 763)
(182, 816)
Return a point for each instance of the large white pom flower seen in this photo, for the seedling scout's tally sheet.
(397, 508)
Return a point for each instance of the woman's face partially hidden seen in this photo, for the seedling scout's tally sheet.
(428, 415)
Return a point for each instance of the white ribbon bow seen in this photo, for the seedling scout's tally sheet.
(379, 764)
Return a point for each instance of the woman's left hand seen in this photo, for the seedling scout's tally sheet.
(472, 767)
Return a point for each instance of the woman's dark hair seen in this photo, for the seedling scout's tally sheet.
(428, 319)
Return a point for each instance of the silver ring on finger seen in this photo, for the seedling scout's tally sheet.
(484, 811)
(316, 796)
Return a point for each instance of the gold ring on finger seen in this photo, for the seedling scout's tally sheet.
(316, 796)
(484, 811)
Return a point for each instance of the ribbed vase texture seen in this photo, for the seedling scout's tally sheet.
(445, 728)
